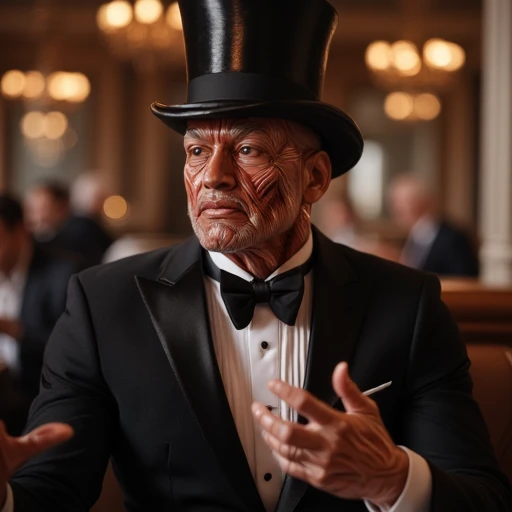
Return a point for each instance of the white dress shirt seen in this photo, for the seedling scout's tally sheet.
(268, 349)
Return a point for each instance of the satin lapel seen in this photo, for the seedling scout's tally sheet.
(177, 306)
(339, 304)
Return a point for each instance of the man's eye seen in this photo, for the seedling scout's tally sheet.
(197, 151)
(246, 150)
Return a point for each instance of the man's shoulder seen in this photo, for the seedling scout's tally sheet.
(147, 265)
(383, 272)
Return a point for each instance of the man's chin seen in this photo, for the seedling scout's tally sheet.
(223, 238)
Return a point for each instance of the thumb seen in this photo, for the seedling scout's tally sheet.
(347, 390)
(41, 439)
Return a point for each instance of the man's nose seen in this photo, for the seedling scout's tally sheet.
(220, 171)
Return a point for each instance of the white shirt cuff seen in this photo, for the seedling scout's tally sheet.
(9, 502)
(417, 492)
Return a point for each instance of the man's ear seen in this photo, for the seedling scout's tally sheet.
(318, 171)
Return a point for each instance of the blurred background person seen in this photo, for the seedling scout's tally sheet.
(432, 243)
(33, 289)
(340, 222)
(52, 221)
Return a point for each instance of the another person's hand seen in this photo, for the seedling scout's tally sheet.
(12, 328)
(349, 455)
(15, 451)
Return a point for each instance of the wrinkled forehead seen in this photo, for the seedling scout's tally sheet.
(224, 129)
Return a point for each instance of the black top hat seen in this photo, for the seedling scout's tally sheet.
(263, 58)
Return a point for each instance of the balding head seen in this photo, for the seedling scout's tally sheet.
(410, 199)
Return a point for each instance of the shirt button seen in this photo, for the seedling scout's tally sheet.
(267, 477)
(264, 345)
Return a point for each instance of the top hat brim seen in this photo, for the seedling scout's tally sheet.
(341, 138)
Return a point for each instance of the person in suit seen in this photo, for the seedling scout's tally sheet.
(33, 286)
(214, 373)
(52, 222)
(432, 244)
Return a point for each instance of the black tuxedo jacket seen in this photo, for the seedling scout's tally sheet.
(132, 368)
(451, 254)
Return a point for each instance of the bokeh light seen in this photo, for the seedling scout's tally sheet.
(426, 107)
(118, 14)
(398, 106)
(115, 207)
(34, 85)
(148, 11)
(55, 125)
(13, 83)
(378, 54)
(32, 125)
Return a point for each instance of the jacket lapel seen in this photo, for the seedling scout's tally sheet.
(339, 304)
(178, 310)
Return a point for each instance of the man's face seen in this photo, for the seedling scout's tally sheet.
(245, 180)
(10, 246)
(44, 215)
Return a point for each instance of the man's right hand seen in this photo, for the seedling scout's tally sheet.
(15, 451)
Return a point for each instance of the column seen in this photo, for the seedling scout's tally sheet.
(496, 163)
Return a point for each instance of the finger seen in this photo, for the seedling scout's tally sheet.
(41, 439)
(350, 394)
(303, 402)
(288, 451)
(295, 469)
(287, 432)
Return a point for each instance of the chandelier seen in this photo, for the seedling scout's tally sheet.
(412, 76)
(145, 32)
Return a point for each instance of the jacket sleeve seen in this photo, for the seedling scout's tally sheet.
(442, 422)
(73, 391)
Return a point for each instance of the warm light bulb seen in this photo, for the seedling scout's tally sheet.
(437, 53)
(34, 85)
(115, 207)
(32, 125)
(398, 106)
(118, 14)
(458, 57)
(405, 57)
(55, 125)
(378, 55)
(148, 11)
(81, 88)
(426, 107)
(13, 83)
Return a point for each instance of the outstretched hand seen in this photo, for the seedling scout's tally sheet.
(15, 451)
(350, 455)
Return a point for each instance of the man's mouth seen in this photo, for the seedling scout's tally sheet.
(219, 209)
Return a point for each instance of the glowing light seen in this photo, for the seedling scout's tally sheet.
(378, 54)
(405, 57)
(32, 125)
(458, 57)
(398, 106)
(55, 125)
(34, 85)
(440, 54)
(118, 14)
(426, 107)
(13, 83)
(173, 17)
(148, 12)
(72, 87)
(115, 207)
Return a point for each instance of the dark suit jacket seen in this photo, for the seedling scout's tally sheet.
(44, 300)
(451, 254)
(132, 368)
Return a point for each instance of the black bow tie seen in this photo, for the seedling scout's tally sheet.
(282, 293)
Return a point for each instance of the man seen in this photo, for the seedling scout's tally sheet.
(33, 286)
(159, 358)
(432, 245)
(52, 222)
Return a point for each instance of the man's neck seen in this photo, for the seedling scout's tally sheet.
(263, 260)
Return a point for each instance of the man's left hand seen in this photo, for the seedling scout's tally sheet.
(348, 454)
